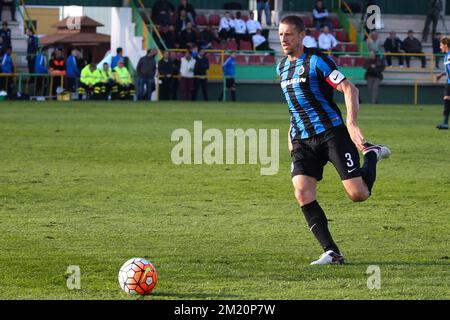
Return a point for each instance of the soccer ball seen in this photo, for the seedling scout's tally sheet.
(137, 276)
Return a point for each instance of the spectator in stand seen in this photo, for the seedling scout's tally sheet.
(146, 70)
(433, 13)
(182, 21)
(200, 70)
(374, 43)
(189, 8)
(188, 37)
(187, 76)
(208, 37)
(124, 82)
(176, 75)
(229, 71)
(327, 41)
(309, 41)
(263, 5)
(7, 67)
(226, 27)
(240, 29)
(73, 73)
(5, 34)
(32, 49)
(393, 45)
(412, 45)
(260, 43)
(170, 38)
(166, 71)
(374, 75)
(252, 25)
(437, 49)
(321, 16)
(162, 12)
(194, 51)
(116, 58)
(57, 67)
(12, 5)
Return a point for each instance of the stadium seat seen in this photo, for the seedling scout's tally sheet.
(339, 48)
(179, 55)
(254, 60)
(231, 45)
(308, 22)
(246, 45)
(315, 33)
(351, 47)
(217, 45)
(335, 22)
(214, 19)
(359, 61)
(269, 60)
(345, 61)
(212, 58)
(173, 20)
(241, 59)
(201, 20)
(342, 36)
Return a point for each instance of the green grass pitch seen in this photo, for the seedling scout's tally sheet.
(92, 184)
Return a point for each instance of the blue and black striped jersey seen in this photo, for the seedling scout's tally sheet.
(307, 84)
(447, 66)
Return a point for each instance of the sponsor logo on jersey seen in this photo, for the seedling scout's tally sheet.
(294, 81)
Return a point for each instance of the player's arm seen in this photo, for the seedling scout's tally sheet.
(351, 94)
(289, 139)
(439, 76)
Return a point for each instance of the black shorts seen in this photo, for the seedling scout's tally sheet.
(309, 156)
(229, 83)
(447, 90)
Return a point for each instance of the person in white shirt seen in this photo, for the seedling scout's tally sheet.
(187, 76)
(240, 29)
(321, 16)
(327, 41)
(253, 25)
(226, 27)
(260, 42)
(309, 41)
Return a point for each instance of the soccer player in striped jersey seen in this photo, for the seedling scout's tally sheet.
(445, 48)
(318, 133)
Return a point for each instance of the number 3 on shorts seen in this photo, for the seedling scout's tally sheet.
(350, 163)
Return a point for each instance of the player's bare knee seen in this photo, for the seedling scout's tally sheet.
(304, 196)
(359, 195)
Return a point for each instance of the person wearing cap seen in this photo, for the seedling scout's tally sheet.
(125, 85)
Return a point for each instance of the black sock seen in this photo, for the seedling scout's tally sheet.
(233, 95)
(446, 111)
(318, 224)
(369, 169)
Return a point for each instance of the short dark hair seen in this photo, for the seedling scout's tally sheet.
(295, 21)
(446, 41)
(119, 49)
